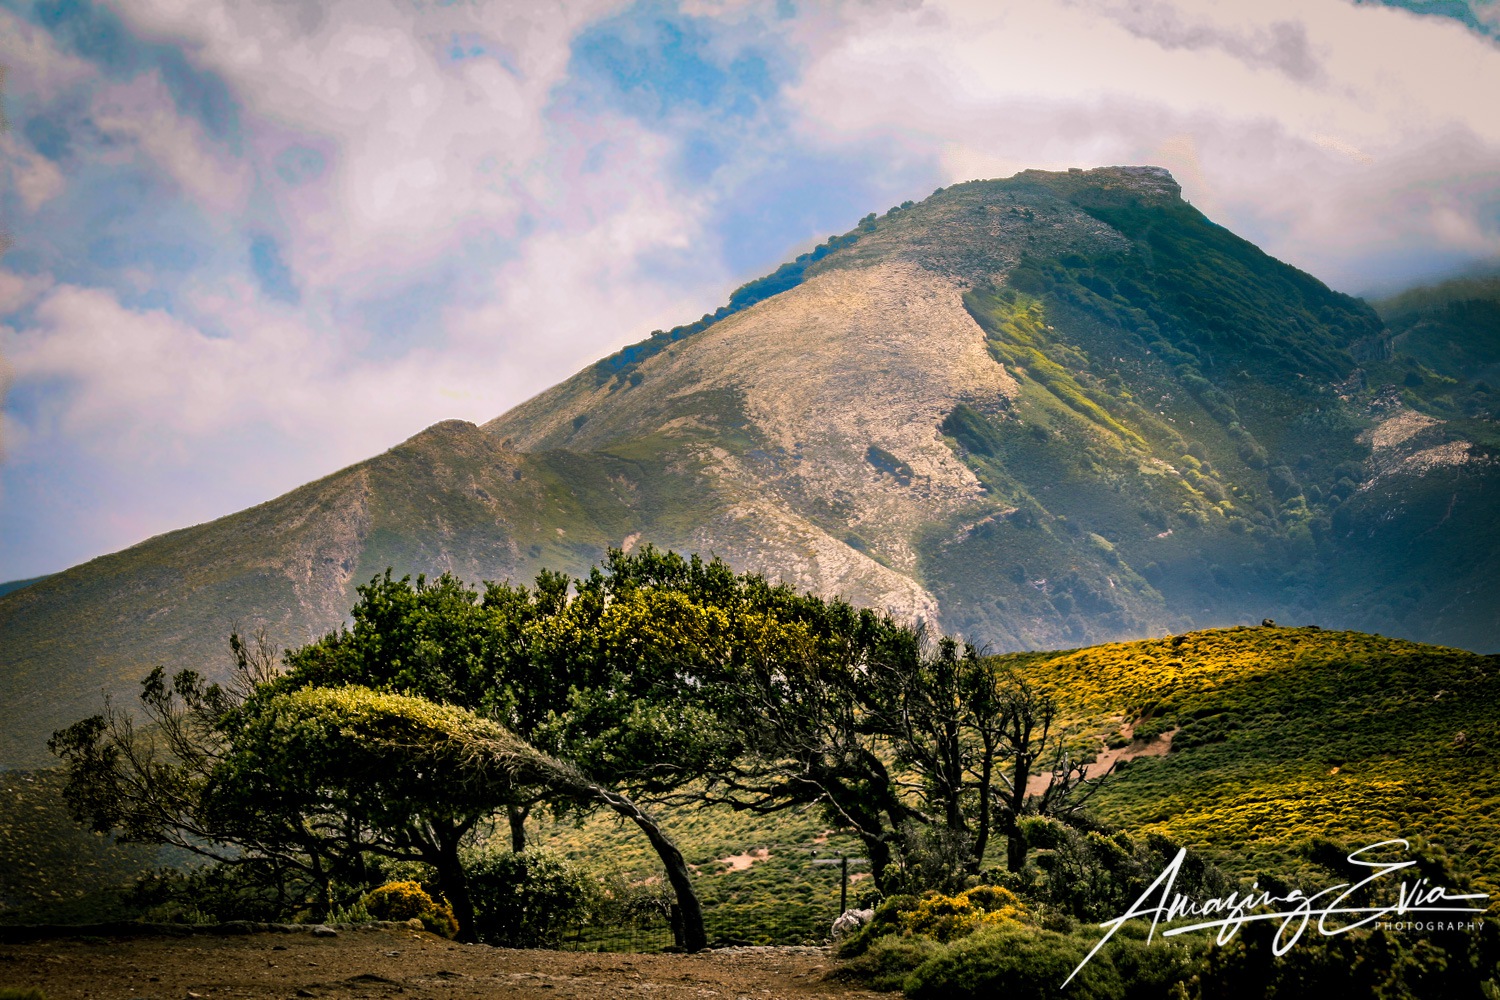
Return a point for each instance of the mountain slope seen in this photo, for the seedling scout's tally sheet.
(1272, 739)
(1055, 409)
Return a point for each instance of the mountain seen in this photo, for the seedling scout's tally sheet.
(1056, 409)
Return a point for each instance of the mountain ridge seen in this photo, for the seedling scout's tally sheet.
(1049, 410)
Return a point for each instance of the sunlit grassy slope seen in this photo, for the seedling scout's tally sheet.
(1285, 735)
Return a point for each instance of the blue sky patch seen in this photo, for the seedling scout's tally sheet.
(1466, 12)
(812, 195)
(271, 273)
(652, 62)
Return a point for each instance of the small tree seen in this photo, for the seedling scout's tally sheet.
(312, 780)
(146, 783)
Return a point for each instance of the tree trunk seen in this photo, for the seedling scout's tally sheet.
(879, 851)
(517, 816)
(982, 841)
(325, 888)
(454, 886)
(1015, 847)
(692, 936)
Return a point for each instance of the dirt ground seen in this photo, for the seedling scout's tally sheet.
(373, 964)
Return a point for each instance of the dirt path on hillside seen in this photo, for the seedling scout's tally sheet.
(1155, 746)
(376, 964)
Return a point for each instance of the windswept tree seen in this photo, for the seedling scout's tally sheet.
(598, 673)
(795, 720)
(888, 729)
(145, 780)
(309, 782)
(317, 779)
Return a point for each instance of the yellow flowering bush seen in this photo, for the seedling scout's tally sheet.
(409, 901)
(947, 918)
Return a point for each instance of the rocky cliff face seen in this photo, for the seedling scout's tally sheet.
(1049, 410)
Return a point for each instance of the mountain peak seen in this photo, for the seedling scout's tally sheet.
(1104, 183)
(979, 230)
(972, 233)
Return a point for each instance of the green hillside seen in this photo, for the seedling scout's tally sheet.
(1280, 739)
(447, 500)
(1282, 736)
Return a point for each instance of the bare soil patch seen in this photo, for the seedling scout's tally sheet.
(387, 963)
(739, 862)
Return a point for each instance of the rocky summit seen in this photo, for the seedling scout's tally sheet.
(1045, 411)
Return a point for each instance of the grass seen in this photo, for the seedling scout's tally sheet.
(1286, 735)
(786, 898)
(53, 870)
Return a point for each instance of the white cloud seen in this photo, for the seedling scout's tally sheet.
(18, 291)
(548, 232)
(426, 149)
(375, 161)
(31, 58)
(142, 374)
(153, 386)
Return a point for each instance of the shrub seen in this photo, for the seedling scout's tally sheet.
(1152, 970)
(1015, 962)
(890, 960)
(933, 858)
(28, 993)
(618, 900)
(885, 921)
(942, 917)
(399, 901)
(947, 918)
(409, 901)
(1093, 877)
(528, 900)
(216, 892)
(993, 898)
(1361, 963)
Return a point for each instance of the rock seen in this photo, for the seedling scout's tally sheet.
(323, 930)
(1267, 623)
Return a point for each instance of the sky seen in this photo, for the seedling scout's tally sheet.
(254, 241)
